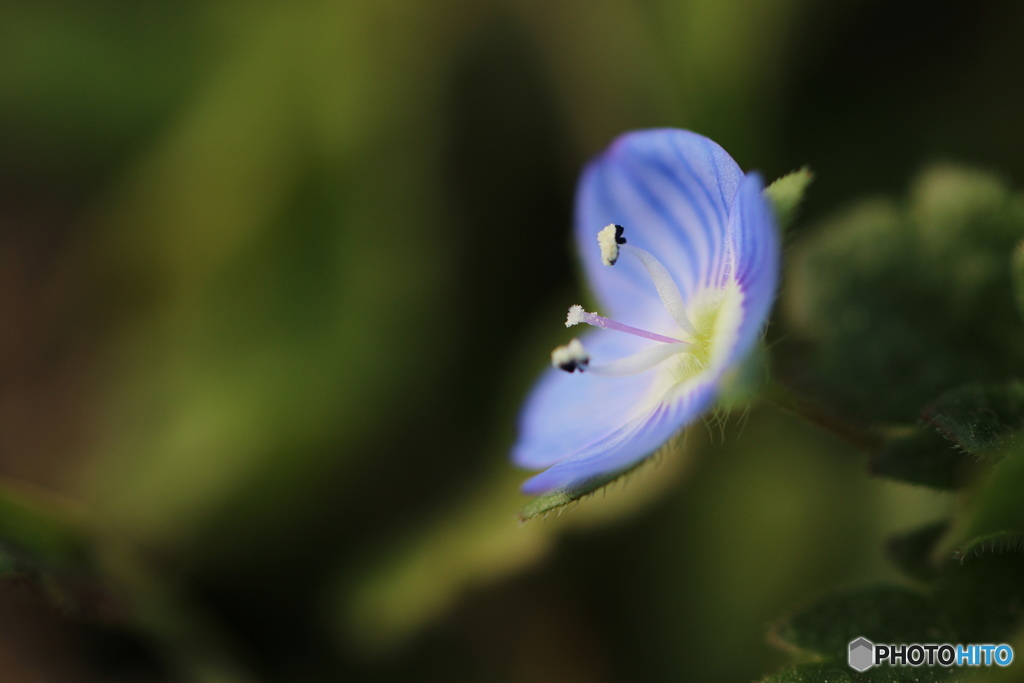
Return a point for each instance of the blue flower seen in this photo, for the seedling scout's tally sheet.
(681, 251)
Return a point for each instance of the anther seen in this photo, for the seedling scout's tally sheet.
(570, 357)
(575, 316)
(610, 238)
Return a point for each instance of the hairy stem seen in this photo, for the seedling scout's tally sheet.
(855, 433)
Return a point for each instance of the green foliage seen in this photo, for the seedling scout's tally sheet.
(972, 602)
(912, 552)
(787, 194)
(972, 424)
(556, 501)
(982, 596)
(1018, 275)
(983, 420)
(911, 313)
(886, 614)
(39, 534)
(921, 457)
(282, 278)
(994, 520)
(973, 593)
(52, 554)
(839, 672)
(902, 302)
(883, 614)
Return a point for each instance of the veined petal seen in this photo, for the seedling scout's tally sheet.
(631, 442)
(704, 228)
(754, 261)
(566, 411)
(672, 190)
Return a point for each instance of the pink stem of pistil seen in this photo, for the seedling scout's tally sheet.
(599, 321)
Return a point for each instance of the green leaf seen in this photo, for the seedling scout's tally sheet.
(901, 301)
(922, 457)
(838, 671)
(1018, 275)
(472, 542)
(814, 672)
(40, 532)
(983, 595)
(912, 552)
(981, 419)
(884, 614)
(101, 582)
(787, 193)
(557, 501)
(995, 515)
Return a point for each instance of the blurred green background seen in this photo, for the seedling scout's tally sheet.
(275, 276)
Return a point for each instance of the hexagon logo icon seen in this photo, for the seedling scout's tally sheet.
(862, 654)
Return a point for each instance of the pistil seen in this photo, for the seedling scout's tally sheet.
(577, 315)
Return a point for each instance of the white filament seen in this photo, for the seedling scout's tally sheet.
(641, 361)
(665, 285)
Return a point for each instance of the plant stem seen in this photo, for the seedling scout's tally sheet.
(857, 434)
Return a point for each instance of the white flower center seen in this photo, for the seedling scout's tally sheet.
(707, 327)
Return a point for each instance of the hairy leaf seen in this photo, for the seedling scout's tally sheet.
(982, 419)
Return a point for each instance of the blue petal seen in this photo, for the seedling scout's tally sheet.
(672, 190)
(682, 198)
(566, 412)
(630, 443)
(754, 242)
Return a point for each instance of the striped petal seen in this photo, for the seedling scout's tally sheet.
(672, 190)
(685, 201)
(755, 254)
(566, 412)
(628, 444)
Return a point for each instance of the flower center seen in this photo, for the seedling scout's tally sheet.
(693, 354)
(714, 316)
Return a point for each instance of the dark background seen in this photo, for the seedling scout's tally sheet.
(275, 276)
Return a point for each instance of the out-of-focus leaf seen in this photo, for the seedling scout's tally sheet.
(557, 501)
(814, 672)
(102, 582)
(995, 542)
(994, 520)
(922, 457)
(981, 419)
(913, 551)
(1018, 275)
(787, 194)
(982, 596)
(838, 671)
(976, 594)
(41, 532)
(901, 302)
(882, 614)
(266, 334)
(476, 542)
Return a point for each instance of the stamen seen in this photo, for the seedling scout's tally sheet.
(639, 362)
(665, 285)
(570, 357)
(610, 238)
(577, 315)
